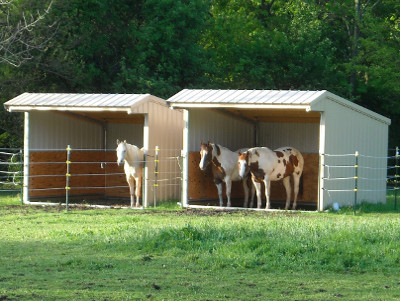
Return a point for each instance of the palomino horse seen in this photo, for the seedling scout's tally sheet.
(224, 169)
(266, 165)
(133, 158)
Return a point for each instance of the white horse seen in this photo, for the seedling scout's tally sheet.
(266, 165)
(133, 160)
(224, 169)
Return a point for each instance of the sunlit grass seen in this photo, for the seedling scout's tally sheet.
(179, 254)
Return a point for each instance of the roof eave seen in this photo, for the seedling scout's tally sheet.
(240, 106)
(13, 108)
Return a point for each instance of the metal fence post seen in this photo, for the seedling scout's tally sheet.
(67, 176)
(156, 161)
(396, 177)
(21, 170)
(355, 182)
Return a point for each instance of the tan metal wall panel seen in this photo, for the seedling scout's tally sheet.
(50, 130)
(303, 136)
(348, 131)
(132, 133)
(165, 131)
(209, 125)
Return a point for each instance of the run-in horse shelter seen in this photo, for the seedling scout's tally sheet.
(325, 127)
(90, 124)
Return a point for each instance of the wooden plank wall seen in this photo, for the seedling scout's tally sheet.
(91, 171)
(202, 187)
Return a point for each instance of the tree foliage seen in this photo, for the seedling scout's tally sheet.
(350, 48)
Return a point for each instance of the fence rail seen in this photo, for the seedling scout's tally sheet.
(355, 172)
(88, 172)
(351, 170)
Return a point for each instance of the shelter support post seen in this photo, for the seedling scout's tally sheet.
(321, 192)
(25, 188)
(185, 159)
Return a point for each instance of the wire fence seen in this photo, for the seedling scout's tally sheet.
(91, 175)
(84, 173)
(356, 175)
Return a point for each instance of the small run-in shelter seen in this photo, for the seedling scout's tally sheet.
(90, 124)
(326, 128)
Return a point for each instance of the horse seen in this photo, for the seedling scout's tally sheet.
(223, 163)
(133, 159)
(266, 165)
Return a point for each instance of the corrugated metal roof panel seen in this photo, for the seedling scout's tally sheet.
(245, 97)
(76, 100)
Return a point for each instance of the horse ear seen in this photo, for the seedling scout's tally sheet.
(218, 149)
(117, 141)
(239, 153)
(125, 141)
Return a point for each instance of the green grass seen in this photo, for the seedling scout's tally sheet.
(174, 254)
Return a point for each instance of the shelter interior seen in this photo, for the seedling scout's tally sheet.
(272, 128)
(92, 136)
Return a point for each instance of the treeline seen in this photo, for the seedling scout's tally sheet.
(349, 47)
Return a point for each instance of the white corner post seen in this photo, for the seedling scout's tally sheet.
(145, 176)
(322, 134)
(25, 189)
(185, 156)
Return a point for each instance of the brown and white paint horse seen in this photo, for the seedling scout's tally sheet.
(224, 169)
(266, 165)
(133, 160)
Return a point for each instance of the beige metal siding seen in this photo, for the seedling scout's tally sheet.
(303, 136)
(348, 131)
(209, 125)
(165, 131)
(132, 133)
(50, 130)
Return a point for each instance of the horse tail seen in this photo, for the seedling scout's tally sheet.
(301, 186)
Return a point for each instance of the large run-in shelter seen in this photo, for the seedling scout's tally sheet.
(90, 124)
(326, 128)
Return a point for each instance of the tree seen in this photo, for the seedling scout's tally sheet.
(18, 37)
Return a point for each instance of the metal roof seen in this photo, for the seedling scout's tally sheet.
(286, 100)
(245, 97)
(49, 101)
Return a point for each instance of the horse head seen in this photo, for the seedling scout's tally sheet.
(121, 151)
(243, 164)
(206, 156)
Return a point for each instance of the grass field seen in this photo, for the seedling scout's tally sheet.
(175, 254)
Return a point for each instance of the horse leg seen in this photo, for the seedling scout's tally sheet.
(246, 193)
(228, 184)
(138, 181)
(253, 192)
(257, 186)
(221, 200)
(267, 184)
(131, 183)
(296, 181)
(288, 188)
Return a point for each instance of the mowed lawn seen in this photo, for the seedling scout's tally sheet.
(177, 254)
